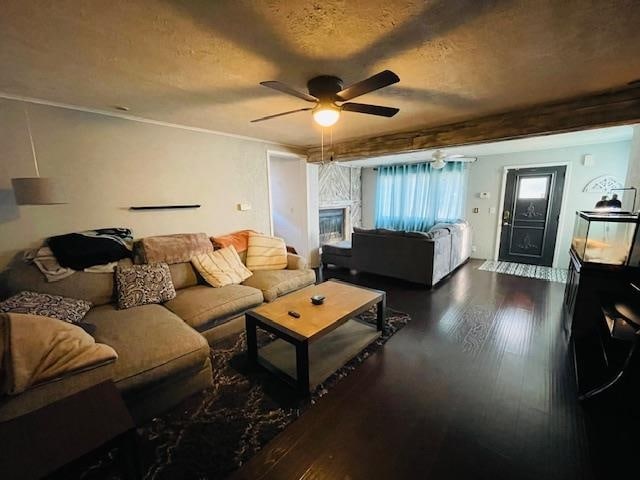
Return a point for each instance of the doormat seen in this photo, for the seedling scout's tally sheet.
(558, 275)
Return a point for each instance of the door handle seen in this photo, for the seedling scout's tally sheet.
(506, 215)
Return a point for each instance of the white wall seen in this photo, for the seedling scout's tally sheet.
(313, 209)
(109, 164)
(633, 172)
(288, 181)
(369, 178)
(485, 175)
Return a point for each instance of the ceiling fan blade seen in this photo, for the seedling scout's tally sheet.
(284, 88)
(379, 80)
(370, 109)
(455, 155)
(281, 114)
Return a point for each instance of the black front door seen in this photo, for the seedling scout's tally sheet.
(530, 215)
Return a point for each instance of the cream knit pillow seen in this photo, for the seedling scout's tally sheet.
(266, 253)
(222, 267)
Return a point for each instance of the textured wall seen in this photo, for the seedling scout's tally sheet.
(340, 186)
(108, 164)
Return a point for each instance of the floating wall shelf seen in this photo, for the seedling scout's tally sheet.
(163, 207)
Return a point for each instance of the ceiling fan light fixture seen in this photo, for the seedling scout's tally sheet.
(326, 115)
(438, 164)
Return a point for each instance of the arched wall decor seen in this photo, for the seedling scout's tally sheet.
(602, 184)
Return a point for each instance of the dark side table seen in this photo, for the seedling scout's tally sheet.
(43, 441)
(622, 319)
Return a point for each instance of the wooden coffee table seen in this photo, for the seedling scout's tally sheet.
(325, 337)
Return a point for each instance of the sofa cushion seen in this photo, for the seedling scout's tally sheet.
(222, 267)
(416, 234)
(239, 240)
(341, 249)
(295, 262)
(183, 275)
(144, 284)
(96, 288)
(63, 308)
(275, 283)
(152, 344)
(42, 349)
(388, 231)
(266, 253)
(202, 305)
(437, 233)
(177, 248)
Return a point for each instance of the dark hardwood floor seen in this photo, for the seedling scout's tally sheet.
(480, 384)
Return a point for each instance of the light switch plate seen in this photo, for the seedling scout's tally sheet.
(244, 206)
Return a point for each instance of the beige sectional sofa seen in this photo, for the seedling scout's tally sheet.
(163, 350)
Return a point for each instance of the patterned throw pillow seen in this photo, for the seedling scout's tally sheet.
(266, 253)
(143, 284)
(63, 308)
(222, 267)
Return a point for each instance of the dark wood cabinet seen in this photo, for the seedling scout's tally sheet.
(586, 284)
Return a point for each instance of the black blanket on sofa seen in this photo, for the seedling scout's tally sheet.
(92, 247)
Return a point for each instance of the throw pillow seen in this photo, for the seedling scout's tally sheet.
(239, 240)
(266, 253)
(143, 284)
(222, 267)
(70, 310)
(171, 249)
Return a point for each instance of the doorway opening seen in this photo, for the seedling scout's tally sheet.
(530, 215)
(293, 206)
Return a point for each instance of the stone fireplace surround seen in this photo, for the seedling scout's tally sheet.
(340, 188)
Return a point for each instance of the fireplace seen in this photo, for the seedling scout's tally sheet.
(333, 225)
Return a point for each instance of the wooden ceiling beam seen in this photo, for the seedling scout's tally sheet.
(605, 109)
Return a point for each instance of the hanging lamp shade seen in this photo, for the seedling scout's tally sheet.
(38, 191)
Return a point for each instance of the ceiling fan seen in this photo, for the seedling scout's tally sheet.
(327, 93)
(439, 159)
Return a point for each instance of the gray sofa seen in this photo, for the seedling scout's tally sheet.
(418, 257)
(163, 350)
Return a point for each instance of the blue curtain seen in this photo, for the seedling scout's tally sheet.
(415, 197)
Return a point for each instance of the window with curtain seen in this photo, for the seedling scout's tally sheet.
(415, 197)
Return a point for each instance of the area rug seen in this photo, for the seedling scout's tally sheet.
(558, 275)
(214, 433)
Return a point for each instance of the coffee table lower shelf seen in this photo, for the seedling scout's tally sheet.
(326, 355)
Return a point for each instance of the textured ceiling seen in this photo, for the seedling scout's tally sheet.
(198, 63)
